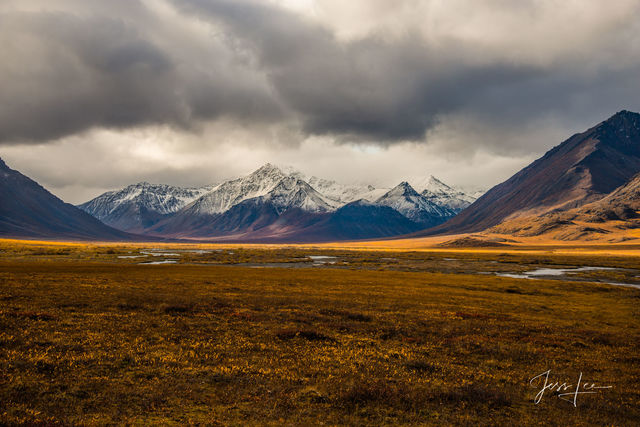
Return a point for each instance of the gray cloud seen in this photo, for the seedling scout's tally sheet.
(372, 88)
(67, 72)
(81, 66)
(64, 73)
(225, 85)
(387, 89)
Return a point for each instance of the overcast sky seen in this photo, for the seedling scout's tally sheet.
(98, 94)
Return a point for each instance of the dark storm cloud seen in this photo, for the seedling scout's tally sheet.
(383, 90)
(87, 66)
(372, 88)
(63, 73)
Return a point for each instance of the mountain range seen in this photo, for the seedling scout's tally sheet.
(139, 206)
(275, 203)
(587, 187)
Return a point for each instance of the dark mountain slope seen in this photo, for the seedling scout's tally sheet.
(360, 220)
(605, 219)
(257, 220)
(27, 210)
(583, 169)
(243, 218)
(621, 205)
(355, 220)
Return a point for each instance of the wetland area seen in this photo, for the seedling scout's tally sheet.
(249, 335)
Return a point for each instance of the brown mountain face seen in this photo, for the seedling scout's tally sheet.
(621, 205)
(604, 220)
(582, 169)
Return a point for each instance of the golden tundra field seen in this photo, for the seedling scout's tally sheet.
(96, 334)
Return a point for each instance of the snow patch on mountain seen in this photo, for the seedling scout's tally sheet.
(159, 198)
(269, 182)
(406, 200)
(474, 191)
(346, 193)
(140, 206)
(442, 194)
(336, 191)
(292, 192)
(230, 193)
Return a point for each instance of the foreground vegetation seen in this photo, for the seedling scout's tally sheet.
(417, 338)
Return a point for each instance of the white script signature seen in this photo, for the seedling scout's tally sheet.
(566, 391)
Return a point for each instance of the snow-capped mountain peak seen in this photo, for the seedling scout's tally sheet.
(404, 189)
(406, 200)
(292, 192)
(269, 182)
(430, 183)
(276, 188)
(258, 183)
(265, 177)
(160, 198)
(435, 185)
(345, 193)
(137, 205)
(442, 194)
(331, 189)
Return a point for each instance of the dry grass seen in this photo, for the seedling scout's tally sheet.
(87, 338)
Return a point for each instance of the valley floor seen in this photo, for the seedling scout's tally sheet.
(228, 334)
